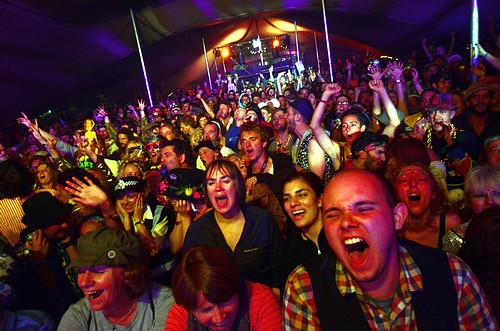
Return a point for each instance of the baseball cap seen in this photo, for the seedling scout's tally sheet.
(106, 246)
(304, 107)
(207, 144)
(442, 101)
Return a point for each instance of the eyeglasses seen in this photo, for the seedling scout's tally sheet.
(153, 146)
(342, 103)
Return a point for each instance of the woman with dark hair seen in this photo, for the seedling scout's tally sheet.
(210, 295)
(302, 198)
(429, 216)
(116, 284)
(247, 233)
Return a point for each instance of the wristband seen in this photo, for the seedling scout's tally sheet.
(323, 101)
(398, 81)
(140, 222)
(69, 243)
(485, 55)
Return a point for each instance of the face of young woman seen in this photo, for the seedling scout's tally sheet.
(217, 317)
(103, 286)
(301, 203)
(414, 189)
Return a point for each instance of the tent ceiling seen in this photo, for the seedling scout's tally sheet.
(54, 53)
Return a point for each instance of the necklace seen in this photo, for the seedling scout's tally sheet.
(429, 136)
(281, 145)
(113, 327)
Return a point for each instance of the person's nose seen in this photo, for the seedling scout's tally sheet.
(293, 202)
(347, 220)
(218, 315)
(85, 279)
(413, 182)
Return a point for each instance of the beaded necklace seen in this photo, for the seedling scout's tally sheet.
(429, 136)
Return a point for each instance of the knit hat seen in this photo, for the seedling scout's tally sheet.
(106, 246)
(207, 144)
(304, 107)
(43, 210)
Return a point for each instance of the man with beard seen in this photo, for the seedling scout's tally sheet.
(373, 281)
(285, 139)
(369, 151)
(478, 121)
(108, 144)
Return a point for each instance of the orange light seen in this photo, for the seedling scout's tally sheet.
(276, 43)
(225, 52)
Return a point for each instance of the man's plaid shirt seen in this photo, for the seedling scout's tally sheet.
(474, 312)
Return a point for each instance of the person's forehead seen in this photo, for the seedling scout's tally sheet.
(168, 149)
(205, 150)
(481, 92)
(249, 134)
(413, 170)
(350, 119)
(345, 188)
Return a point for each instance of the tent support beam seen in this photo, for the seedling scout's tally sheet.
(142, 58)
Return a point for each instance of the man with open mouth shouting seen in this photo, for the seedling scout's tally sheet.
(374, 281)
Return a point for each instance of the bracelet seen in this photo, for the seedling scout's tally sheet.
(323, 101)
(485, 55)
(398, 81)
(139, 222)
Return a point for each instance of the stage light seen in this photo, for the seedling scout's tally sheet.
(256, 43)
(225, 52)
(276, 43)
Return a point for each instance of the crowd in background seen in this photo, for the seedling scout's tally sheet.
(244, 165)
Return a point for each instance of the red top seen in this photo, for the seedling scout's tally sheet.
(264, 311)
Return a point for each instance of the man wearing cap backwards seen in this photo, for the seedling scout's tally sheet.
(373, 281)
(307, 153)
(479, 121)
(115, 281)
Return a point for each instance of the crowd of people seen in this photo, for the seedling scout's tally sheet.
(285, 202)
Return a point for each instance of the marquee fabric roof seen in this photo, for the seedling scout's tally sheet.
(61, 53)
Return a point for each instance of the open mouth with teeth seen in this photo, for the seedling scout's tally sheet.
(94, 294)
(357, 249)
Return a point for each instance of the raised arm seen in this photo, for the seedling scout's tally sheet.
(206, 106)
(495, 62)
(330, 147)
(396, 68)
(392, 114)
(426, 50)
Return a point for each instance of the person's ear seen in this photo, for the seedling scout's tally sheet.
(182, 158)
(320, 201)
(362, 154)
(264, 143)
(453, 113)
(363, 128)
(400, 212)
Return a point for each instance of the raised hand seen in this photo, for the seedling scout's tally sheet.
(414, 74)
(396, 68)
(420, 128)
(88, 194)
(331, 89)
(38, 246)
(377, 86)
(142, 104)
(375, 72)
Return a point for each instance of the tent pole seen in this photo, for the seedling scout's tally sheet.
(327, 40)
(317, 53)
(474, 37)
(142, 58)
(206, 62)
(296, 40)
